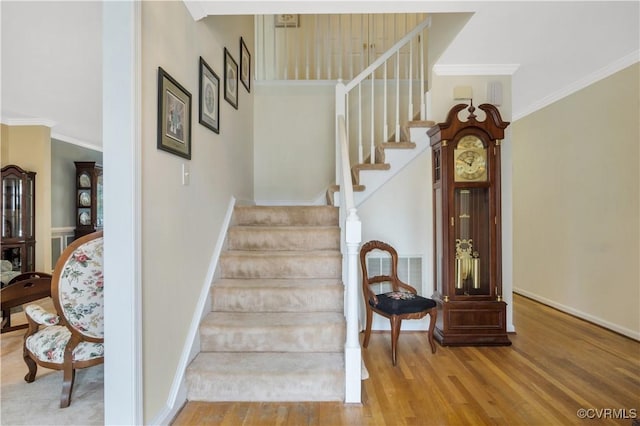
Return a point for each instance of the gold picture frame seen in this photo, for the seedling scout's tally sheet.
(287, 21)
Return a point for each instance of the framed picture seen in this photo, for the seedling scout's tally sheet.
(209, 97)
(230, 79)
(245, 65)
(174, 116)
(289, 21)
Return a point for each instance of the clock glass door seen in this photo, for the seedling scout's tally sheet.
(471, 242)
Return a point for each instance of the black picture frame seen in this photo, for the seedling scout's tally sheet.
(230, 79)
(209, 88)
(245, 65)
(174, 116)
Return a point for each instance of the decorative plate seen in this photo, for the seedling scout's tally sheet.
(85, 219)
(85, 181)
(85, 199)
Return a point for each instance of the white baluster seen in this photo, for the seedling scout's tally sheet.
(317, 39)
(307, 49)
(296, 52)
(327, 44)
(360, 144)
(423, 107)
(385, 131)
(285, 30)
(372, 150)
(410, 106)
(397, 137)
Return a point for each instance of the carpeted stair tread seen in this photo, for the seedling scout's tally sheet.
(285, 215)
(277, 283)
(261, 237)
(281, 264)
(272, 332)
(276, 329)
(278, 295)
(276, 376)
(273, 319)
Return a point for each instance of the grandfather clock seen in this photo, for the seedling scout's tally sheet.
(467, 228)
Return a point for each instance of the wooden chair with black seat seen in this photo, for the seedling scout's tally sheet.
(73, 337)
(401, 303)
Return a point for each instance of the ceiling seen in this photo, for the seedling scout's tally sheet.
(51, 51)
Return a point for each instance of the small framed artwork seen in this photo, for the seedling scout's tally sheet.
(209, 97)
(245, 65)
(230, 79)
(288, 21)
(174, 116)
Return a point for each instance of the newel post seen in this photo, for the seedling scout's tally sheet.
(353, 353)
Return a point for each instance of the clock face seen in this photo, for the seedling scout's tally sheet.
(470, 160)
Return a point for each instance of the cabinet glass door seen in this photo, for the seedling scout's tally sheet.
(472, 241)
(12, 213)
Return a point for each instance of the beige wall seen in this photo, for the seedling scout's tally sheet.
(181, 224)
(294, 133)
(30, 148)
(576, 190)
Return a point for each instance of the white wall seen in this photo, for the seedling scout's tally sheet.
(576, 203)
(181, 224)
(52, 66)
(400, 213)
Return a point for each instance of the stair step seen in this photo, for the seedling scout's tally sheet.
(284, 238)
(272, 332)
(285, 215)
(398, 145)
(281, 264)
(273, 295)
(266, 377)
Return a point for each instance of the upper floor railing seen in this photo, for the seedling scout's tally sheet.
(328, 47)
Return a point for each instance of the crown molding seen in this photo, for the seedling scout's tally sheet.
(9, 121)
(475, 69)
(74, 141)
(590, 79)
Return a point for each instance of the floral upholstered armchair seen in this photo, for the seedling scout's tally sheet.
(74, 337)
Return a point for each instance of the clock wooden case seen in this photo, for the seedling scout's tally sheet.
(467, 228)
(88, 210)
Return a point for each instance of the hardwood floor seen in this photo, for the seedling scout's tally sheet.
(556, 366)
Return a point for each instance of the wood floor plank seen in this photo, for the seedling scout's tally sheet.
(557, 365)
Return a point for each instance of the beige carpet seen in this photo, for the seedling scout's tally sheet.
(37, 403)
(276, 330)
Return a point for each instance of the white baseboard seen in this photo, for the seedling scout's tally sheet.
(577, 313)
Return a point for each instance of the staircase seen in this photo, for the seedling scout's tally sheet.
(276, 331)
(390, 157)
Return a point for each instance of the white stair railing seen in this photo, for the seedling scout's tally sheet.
(351, 236)
(376, 88)
(351, 227)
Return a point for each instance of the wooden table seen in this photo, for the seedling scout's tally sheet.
(22, 289)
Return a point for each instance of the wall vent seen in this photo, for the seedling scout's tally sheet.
(409, 270)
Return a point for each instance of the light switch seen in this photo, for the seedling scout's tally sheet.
(186, 174)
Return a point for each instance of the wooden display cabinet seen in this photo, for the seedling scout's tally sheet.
(88, 211)
(19, 218)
